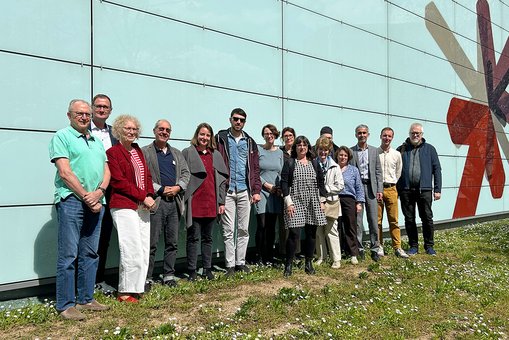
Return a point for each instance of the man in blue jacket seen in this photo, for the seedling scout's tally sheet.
(420, 183)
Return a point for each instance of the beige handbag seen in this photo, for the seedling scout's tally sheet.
(332, 209)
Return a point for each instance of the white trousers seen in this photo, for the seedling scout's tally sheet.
(236, 205)
(328, 233)
(133, 228)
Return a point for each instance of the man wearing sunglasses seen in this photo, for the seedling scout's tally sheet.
(240, 153)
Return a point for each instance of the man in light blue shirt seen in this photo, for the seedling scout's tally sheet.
(240, 153)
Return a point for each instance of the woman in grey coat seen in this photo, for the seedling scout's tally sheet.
(204, 197)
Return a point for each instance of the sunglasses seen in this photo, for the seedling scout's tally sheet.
(239, 119)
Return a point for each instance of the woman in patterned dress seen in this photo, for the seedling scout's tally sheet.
(304, 196)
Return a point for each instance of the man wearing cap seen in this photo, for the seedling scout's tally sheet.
(326, 132)
(240, 153)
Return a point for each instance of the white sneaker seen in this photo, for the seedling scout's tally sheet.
(354, 260)
(401, 253)
(381, 252)
(336, 265)
(318, 262)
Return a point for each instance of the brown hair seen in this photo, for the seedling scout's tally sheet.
(345, 149)
(272, 129)
(212, 142)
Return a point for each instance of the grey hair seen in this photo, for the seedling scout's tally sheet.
(159, 121)
(362, 126)
(416, 125)
(74, 101)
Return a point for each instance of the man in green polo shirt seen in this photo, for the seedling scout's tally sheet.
(80, 182)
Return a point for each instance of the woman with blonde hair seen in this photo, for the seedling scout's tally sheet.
(333, 180)
(132, 197)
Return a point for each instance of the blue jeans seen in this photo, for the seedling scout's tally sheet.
(78, 239)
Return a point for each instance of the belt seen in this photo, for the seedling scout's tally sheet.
(236, 191)
(167, 198)
(332, 198)
(365, 181)
(389, 185)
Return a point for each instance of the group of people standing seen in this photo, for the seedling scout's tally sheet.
(105, 179)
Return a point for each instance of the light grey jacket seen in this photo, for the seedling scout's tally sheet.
(181, 169)
(198, 174)
(374, 167)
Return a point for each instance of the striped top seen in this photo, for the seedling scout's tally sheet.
(139, 170)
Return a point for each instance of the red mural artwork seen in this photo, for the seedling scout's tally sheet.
(471, 123)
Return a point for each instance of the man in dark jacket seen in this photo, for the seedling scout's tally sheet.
(102, 106)
(420, 183)
(240, 153)
(170, 176)
(326, 132)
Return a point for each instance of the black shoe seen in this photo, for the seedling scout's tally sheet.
(148, 285)
(170, 283)
(288, 270)
(243, 268)
(230, 271)
(308, 267)
(192, 275)
(209, 274)
(374, 256)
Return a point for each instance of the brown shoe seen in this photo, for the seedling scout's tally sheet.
(94, 305)
(72, 313)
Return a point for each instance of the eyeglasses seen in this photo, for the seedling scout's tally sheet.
(105, 107)
(82, 114)
(130, 129)
(239, 119)
(161, 129)
(415, 133)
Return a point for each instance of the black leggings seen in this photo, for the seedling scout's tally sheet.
(265, 236)
(294, 238)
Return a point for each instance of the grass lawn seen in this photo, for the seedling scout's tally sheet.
(461, 293)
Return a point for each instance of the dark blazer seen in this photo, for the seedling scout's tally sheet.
(125, 194)
(374, 168)
(182, 172)
(198, 175)
(112, 138)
